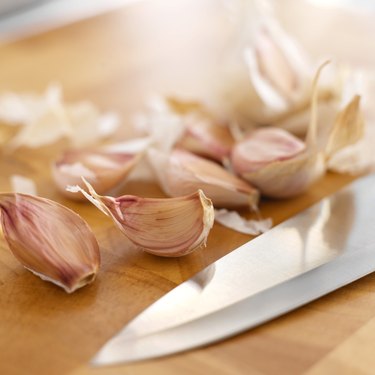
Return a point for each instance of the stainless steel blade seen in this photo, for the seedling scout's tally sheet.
(272, 274)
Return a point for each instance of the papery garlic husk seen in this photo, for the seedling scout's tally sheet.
(188, 124)
(233, 220)
(182, 172)
(22, 184)
(347, 129)
(46, 118)
(168, 227)
(204, 134)
(50, 240)
(104, 168)
(296, 171)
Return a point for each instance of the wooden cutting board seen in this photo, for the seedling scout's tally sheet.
(116, 60)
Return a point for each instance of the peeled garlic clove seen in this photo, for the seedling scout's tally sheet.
(50, 240)
(105, 170)
(167, 227)
(182, 172)
(262, 147)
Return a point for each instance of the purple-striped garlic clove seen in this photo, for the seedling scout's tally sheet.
(280, 165)
(182, 172)
(168, 227)
(262, 147)
(104, 169)
(204, 134)
(50, 240)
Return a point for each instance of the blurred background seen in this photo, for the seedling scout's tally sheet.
(22, 17)
(348, 22)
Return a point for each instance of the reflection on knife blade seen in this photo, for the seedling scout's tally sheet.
(270, 275)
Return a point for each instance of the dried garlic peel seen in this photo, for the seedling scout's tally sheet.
(232, 220)
(45, 119)
(189, 125)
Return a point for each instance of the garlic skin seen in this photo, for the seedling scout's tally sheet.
(169, 227)
(188, 124)
(232, 220)
(50, 240)
(47, 118)
(103, 169)
(182, 172)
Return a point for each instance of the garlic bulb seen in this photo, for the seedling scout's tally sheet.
(292, 166)
(105, 167)
(182, 172)
(167, 227)
(50, 240)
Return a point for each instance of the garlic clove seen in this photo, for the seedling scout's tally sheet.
(50, 240)
(204, 134)
(278, 68)
(182, 172)
(169, 227)
(298, 168)
(288, 178)
(264, 146)
(207, 139)
(104, 169)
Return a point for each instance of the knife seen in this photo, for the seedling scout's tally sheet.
(317, 251)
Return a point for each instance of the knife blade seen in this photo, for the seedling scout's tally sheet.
(317, 251)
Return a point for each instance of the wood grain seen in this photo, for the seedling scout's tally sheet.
(117, 60)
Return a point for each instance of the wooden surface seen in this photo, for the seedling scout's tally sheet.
(117, 60)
